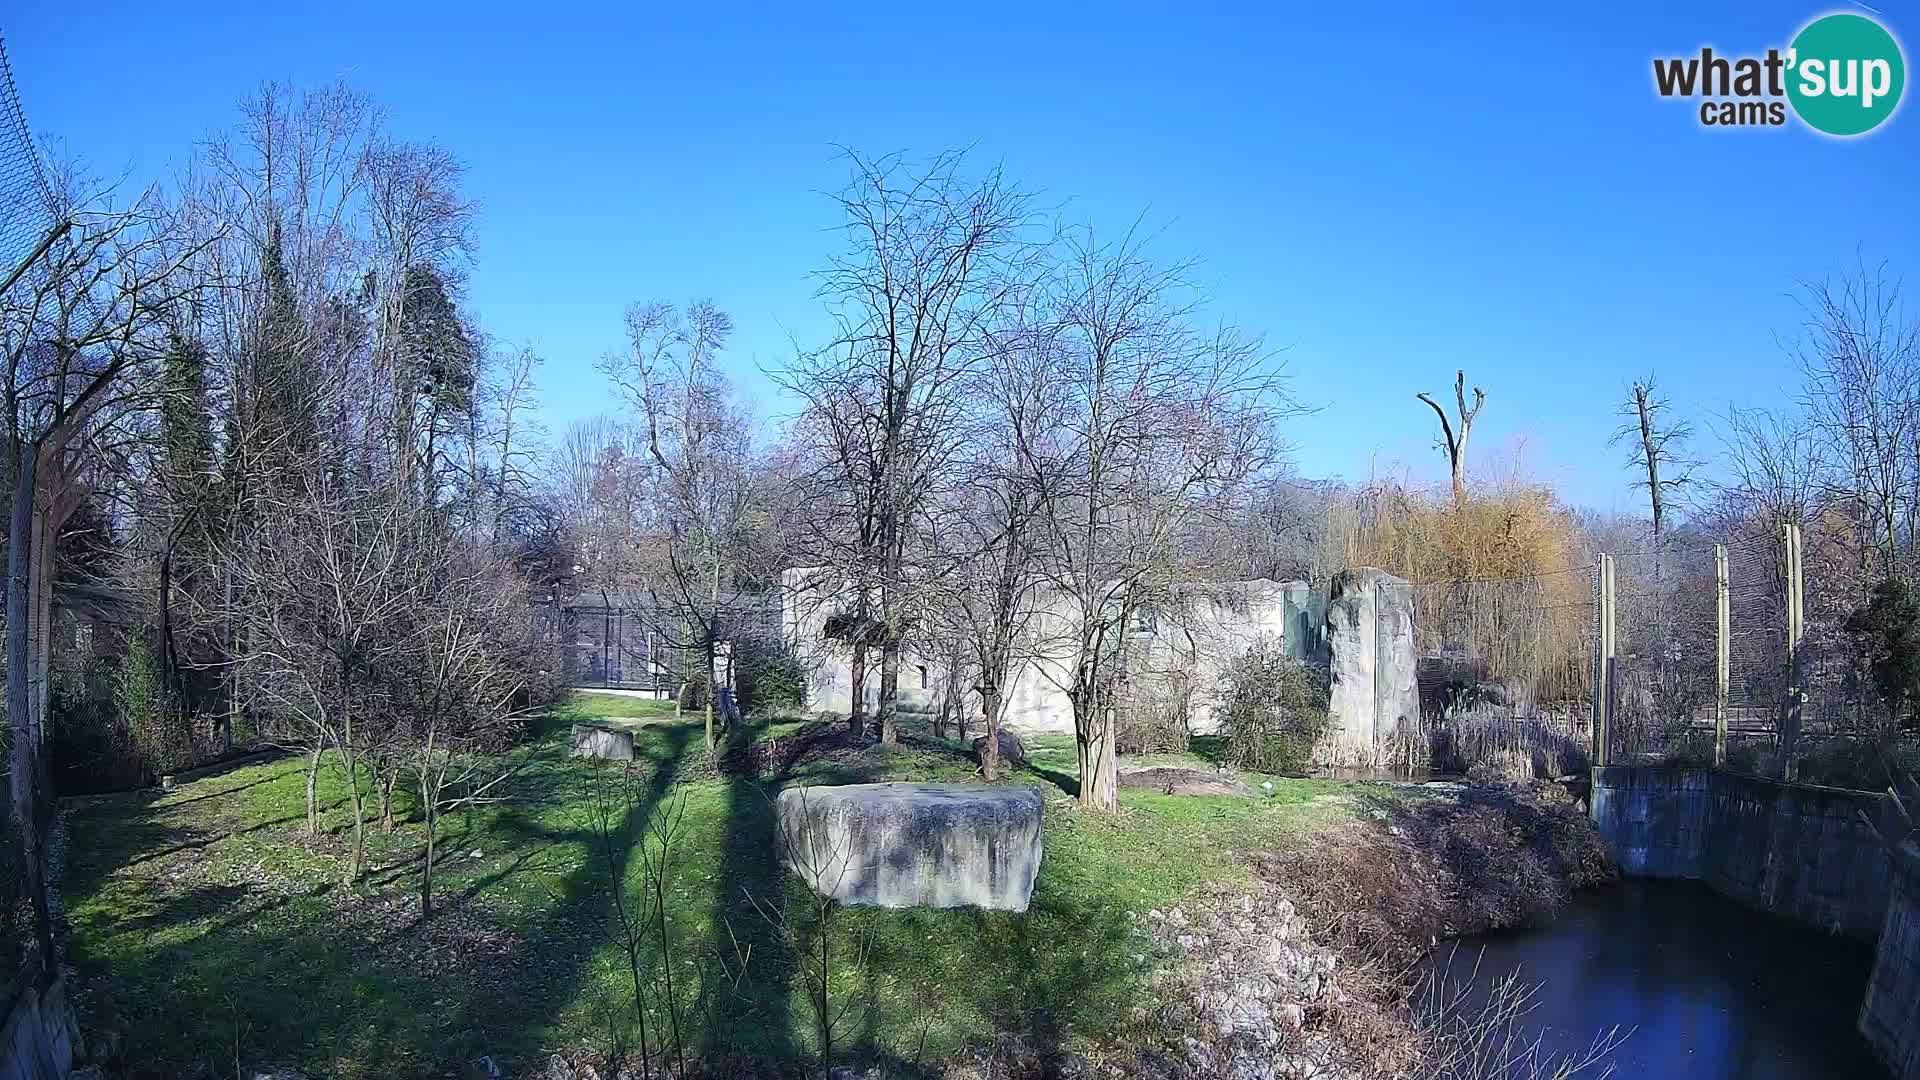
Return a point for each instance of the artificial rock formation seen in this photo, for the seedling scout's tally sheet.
(914, 845)
(592, 741)
(1372, 661)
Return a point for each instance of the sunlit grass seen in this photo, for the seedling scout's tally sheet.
(206, 919)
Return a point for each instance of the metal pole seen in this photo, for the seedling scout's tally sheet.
(1796, 664)
(1603, 665)
(1723, 627)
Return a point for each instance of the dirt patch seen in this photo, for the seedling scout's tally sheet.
(1172, 780)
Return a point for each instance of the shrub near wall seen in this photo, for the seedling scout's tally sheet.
(769, 678)
(1272, 709)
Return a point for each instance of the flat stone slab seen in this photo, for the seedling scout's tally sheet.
(590, 741)
(914, 845)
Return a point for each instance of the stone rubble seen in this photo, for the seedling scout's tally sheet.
(1255, 980)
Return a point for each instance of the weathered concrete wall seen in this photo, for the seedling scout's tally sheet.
(1890, 1016)
(1792, 849)
(914, 845)
(1373, 666)
(37, 1040)
(1211, 625)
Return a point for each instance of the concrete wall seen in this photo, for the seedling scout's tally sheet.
(1792, 849)
(1890, 1016)
(37, 1040)
(1191, 644)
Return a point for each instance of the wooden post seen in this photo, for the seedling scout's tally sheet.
(1796, 663)
(1723, 633)
(1603, 648)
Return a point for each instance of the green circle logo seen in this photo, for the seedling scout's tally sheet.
(1845, 74)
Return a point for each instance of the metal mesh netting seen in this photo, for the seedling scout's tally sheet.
(1665, 651)
(26, 215)
(1756, 650)
(26, 202)
(1840, 699)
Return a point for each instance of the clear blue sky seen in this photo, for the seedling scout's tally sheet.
(1388, 191)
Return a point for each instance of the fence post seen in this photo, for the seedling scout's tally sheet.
(1723, 633)
(1603, 646)
(1796, 629)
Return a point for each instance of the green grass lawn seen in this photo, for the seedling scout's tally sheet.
(208, 928)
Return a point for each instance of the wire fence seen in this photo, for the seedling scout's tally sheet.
(630, 641)
(1740, 655)
(26, 216)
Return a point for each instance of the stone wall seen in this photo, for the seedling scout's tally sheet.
(1362, 627)
(1798, 851)
(38, 1038)
(1191, 643)
(1373, 667)
(1890, 1016)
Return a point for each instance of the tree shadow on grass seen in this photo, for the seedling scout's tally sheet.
(554, 951)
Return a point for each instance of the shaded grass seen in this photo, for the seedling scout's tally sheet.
(205, 921)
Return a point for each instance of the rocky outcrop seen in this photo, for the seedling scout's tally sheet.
(1375, 689)
(914, 845)
(1012, 751)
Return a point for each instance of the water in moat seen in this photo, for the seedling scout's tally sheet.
(1709, 988)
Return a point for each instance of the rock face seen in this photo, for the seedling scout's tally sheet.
(598, 742)
(1012, 750)
(1373, 665)
(914, 845)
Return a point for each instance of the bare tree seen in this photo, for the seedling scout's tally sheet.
(1454, 443)
(1860, 358)
(80, 324)
(1658, 448)
(698, 444)
(457, 686)
(1150, 427)
(930, 257)
(324, 591)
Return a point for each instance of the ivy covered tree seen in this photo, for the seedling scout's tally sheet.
(1887, 631)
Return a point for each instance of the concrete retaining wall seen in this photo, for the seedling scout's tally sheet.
(1890, 1017)
(1797, 851)
(37, 1040)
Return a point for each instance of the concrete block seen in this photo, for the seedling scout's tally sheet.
(914, 845)
(610, 744)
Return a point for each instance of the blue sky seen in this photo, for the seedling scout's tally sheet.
(1388, 191)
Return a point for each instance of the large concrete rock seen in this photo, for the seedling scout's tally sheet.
(914, 845)
(598, 742)
(1373, 665)
(1013, 752)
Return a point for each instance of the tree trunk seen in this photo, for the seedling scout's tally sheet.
(313, 790)
(386, 798)
(713, 691)
(25, 780)
(856, 710)
(1099, 774)
(990, 753)
(357, 860)
(889, 691)
(429, 796)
